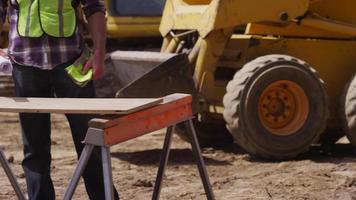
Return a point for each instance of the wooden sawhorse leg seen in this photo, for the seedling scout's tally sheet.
(197, 154)
(11, 176)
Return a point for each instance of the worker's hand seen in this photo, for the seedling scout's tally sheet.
(97, 63)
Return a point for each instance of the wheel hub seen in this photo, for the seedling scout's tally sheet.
(283, 107)
(276, 107)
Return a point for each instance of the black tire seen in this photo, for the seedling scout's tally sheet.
(348, 110)
(242, 100)
(209, 134)
(332, 135)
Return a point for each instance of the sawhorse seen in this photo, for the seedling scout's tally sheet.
(105, 133)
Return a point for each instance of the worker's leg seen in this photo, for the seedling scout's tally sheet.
(93, 175)
(31, 82)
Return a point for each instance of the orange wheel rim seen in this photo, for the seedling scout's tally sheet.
(283, 108)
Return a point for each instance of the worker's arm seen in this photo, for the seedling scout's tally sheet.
(94, 11)
(97, 29)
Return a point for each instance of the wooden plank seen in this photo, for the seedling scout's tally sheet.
(77, 105)
(170, 102)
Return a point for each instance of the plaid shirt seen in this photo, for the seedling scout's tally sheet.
(46, 52)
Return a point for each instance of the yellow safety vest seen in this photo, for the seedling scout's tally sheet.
(56, 18)
(75, 70)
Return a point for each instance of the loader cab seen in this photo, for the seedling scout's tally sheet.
(134, 18)
(132, 8)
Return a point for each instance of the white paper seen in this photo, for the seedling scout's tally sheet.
(5, 65)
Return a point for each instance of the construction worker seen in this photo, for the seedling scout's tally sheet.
(44, 41)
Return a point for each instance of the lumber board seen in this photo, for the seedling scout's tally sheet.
(121, 106)
(169, 102)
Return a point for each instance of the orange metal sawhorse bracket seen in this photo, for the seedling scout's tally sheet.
(104, 133)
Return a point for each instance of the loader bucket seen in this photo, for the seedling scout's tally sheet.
(153, 74)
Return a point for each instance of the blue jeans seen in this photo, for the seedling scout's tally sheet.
(36, 130)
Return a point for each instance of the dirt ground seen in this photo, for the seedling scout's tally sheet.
(234, 174)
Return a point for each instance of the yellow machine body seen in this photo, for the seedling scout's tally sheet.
(132, 27)
(317, 36)
(215, 22)
(329, 49)
(130, 23)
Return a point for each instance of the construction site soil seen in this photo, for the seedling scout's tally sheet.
(321, 173)
(234, 174)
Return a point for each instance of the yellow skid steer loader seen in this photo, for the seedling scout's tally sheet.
(279, 87)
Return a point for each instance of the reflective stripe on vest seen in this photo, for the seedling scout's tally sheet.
(56, 18)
